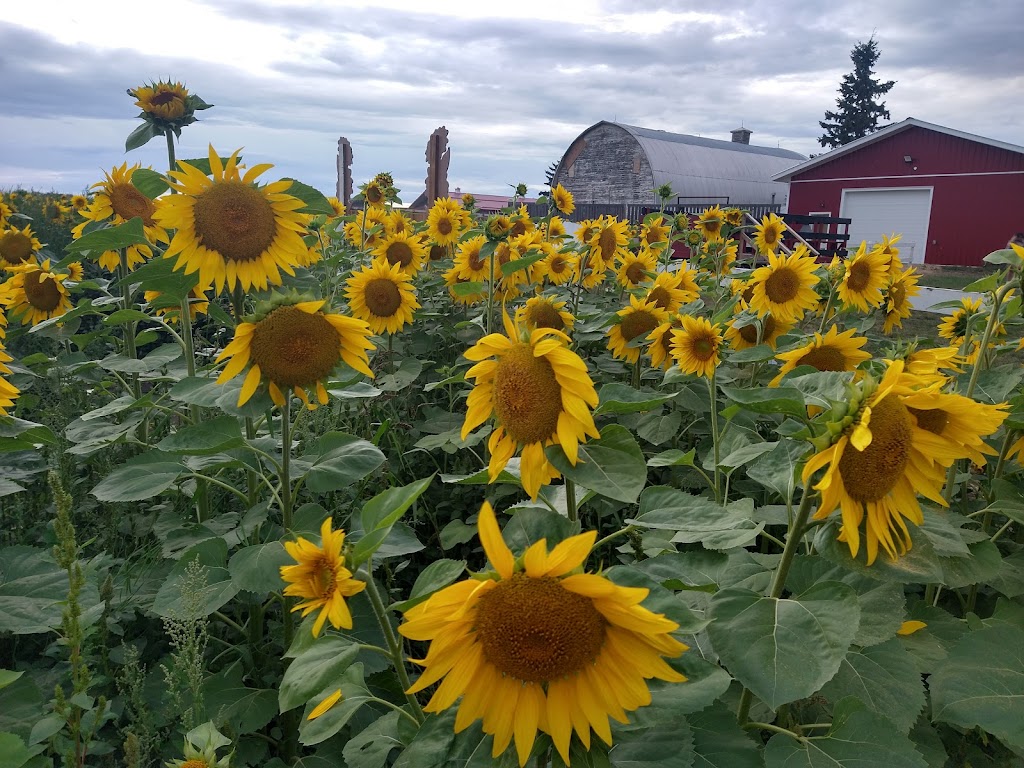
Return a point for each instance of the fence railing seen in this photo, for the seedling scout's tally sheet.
(635, 213)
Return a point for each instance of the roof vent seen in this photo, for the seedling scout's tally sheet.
(741, 135)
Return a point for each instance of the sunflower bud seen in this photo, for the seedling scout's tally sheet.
(165, 106)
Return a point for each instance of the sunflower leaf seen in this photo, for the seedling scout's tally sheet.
(380, 514)
(314, 669)
(354, 694)
(141, 136)
(123, 235)
(314, 199)
(613, 466)
(149, 182)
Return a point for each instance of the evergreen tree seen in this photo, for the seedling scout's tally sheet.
(550, 173)
(858, 110)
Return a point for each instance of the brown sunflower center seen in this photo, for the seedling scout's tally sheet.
(164, 97)
(544, 315)
(703, 346)
(858, 276)
(771, 234)
(235, 220)
(324, 577)
(518, 228)
(374, 194)
(383, 298)
(400, 253)
(824, 358)
(475, 262)
(932, 420)
(15, 247)
(712, 226)
(636, 323)
(42, 293)
(438, 252)
(636, 273)
(537, 631)
(870, 474)
(294, 348)
(127, 202)
(782, 285)
(660, 296)
(749, 332)
(444, 226)
(606, 244)
(503, 252)
(558, 264)
(527, 396)
(898, 295)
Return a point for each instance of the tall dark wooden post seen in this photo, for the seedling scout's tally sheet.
(438, 156)
(344, 171)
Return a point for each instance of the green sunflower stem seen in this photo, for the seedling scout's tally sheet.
(129, 327)
(490, 294)
(715, 436)
(171, 162)
(796, 533)
(286, 494)
(828, 310)
(572, 511)
(394, 644)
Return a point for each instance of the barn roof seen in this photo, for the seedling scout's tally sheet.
(699, 167)
(884, 133)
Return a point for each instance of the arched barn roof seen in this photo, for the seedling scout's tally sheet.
(698, 167)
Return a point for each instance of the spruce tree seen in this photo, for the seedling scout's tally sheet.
(857, 109)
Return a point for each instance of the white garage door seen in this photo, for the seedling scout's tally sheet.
(877, 212)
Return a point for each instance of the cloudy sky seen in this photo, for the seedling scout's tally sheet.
(513, 82)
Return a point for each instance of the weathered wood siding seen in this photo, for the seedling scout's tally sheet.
(607, 165)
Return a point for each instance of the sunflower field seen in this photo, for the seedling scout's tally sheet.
(288, 485)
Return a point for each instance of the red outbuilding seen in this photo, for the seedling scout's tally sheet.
(953, 196)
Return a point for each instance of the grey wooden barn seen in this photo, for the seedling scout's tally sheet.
(624, 164)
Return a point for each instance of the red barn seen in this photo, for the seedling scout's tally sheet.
(954, 196)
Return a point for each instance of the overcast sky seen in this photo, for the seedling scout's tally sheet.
(514, 82)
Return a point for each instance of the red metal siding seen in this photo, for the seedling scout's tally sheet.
(971, 215)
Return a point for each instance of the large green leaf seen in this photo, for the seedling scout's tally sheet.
(981, 684)
(719, 742)
(777, 470)
(698, 519)
(613, 466)
(621, 398)
(258, 568)
(32, 588)
(236, 707)
(154, 361)
(313, 198)
(857, 739)
(339, 460)
(149, 182)
(140, 478)
(782, 400)
(14, 753)
(354, 694)
(315, 669)
(205, 438)
(197, 599)
(435, 576)
(370, 747)
(707, 571)
(783, 649)
(665, 745)
(380, 514)
(110, 238)
(885, 678)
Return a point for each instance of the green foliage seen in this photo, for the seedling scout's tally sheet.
(858, 110)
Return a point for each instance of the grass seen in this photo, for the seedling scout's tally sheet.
(950, 277)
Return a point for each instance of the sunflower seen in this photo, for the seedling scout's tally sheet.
(709, 224)
(337, 208)
(661, 342)
(367, 229)
(506, 252)
(634, 322)
(608, 242)
(562, 198)
(396, 222)
(37, 293)
(521, 223)
(743, 337)
(559, 268)
(832, 352)
(867, 273)
(769, 234)
(198, 303)
(539, 393)
(878, 463)
(928, 364)
(723, 256)
(555, 228)
(374, 193)
(469, 262)
(135, 255)
(166, 101)
(544, 312)
(892, 255)
(955, 326)
(402, 249)
(670, 290)
(786, 286)
(117, 200)
(294, 345)
(5, 212)
(538, 644)
(231, 230)
(382, 295)
(497, 226)
(79, 202)
(321, 578)
(897, 299)
(696, 345)
(636, 268)
(17, 246)
(733, 216)
(8, 392)
(585, 230)
(445, 222)
(451, 279)
(654, 233)
(955, 426)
